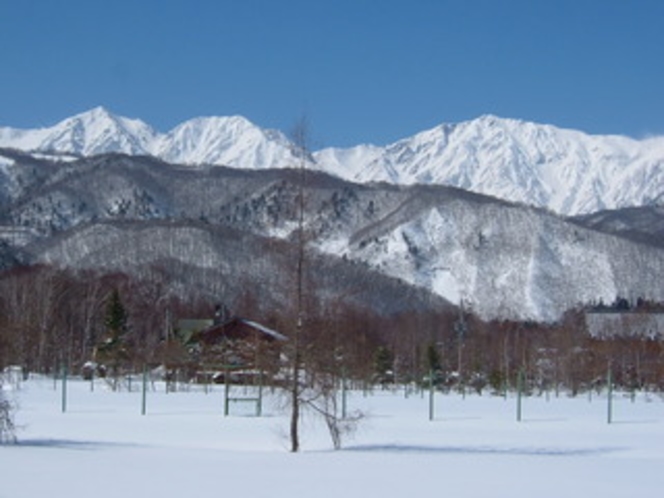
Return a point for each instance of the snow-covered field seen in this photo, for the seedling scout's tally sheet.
(102, 446)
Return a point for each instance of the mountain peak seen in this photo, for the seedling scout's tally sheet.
(215, 124)
(98, 131)
(223, 140)
(99, 112)
(489, 119)
(97, 116)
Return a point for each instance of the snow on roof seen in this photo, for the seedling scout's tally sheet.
(265, 330)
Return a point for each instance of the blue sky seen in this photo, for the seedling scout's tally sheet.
(362, 71)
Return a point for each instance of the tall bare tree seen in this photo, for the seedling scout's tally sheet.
(315, 363)
(300, 139)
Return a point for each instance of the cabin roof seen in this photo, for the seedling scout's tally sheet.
(231, 326)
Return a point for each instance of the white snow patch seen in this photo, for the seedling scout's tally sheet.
(184, 446)
(444, 284)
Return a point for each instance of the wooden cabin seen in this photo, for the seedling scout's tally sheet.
(241, 348)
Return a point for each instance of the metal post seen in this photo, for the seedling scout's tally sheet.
(145, 391)
(64, 387)
(344, 401)
(431, 397)
(609, 397)
(259, 403)
(519, 393)
(226, 393)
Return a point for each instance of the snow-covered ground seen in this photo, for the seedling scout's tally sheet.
(102, 446)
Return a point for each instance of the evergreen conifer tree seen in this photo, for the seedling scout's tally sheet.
(383, 364)
(114, 349)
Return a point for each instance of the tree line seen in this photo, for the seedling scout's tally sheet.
(50, 317)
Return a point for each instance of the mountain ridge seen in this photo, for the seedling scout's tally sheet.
(502, 260)
(566, 171)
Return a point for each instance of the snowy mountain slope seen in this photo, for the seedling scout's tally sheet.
(509, 261)
(6, 164)
(504, 260)
(231, 141)
(212, 260)
(563, 170)
(645, 224)
(94, 132)
(566, 171)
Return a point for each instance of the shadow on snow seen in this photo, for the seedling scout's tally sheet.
(70, 444)
(481, 450)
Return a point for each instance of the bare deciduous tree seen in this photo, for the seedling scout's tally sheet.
(300, 137)
(7, 427)
(314, 379)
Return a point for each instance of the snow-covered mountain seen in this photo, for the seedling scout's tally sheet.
(230, 141)
(567, 171)
(508, 261)
(93, 132)
(503, 260)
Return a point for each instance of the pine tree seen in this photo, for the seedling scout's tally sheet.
(116, 316)
(115, 347)
(383, 364)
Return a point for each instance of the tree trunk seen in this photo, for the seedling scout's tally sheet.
(295, 405)
(300, 138)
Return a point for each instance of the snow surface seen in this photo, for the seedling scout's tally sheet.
(103, 447)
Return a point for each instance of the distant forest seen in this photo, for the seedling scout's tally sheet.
(52, 317)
